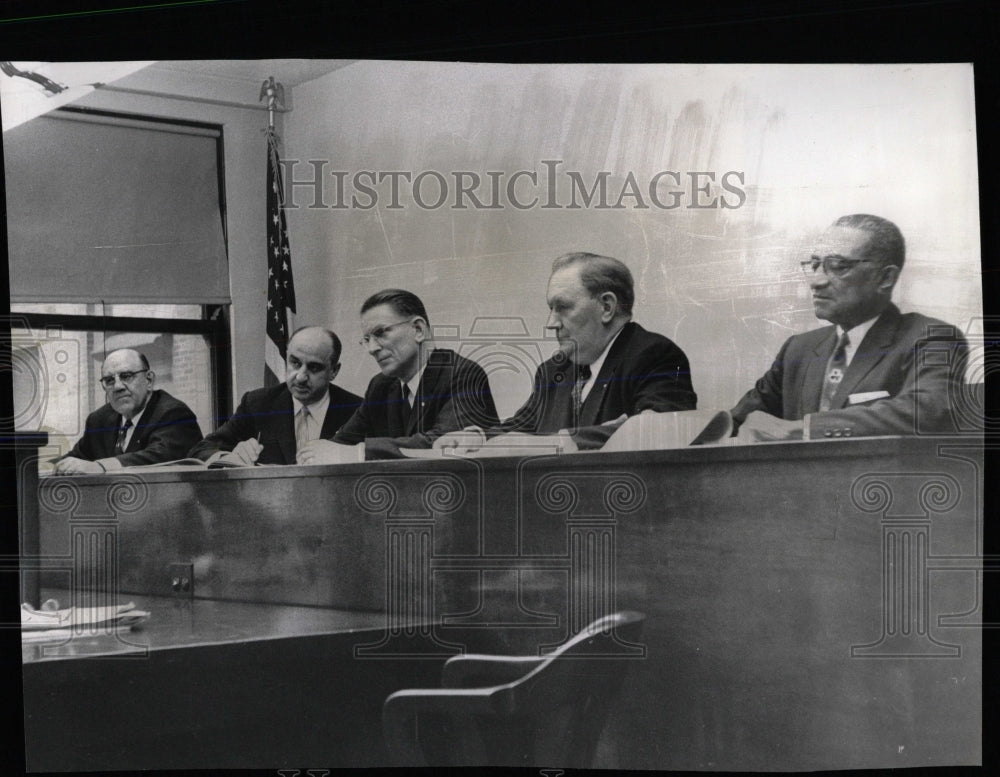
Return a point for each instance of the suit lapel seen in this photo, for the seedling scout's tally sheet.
(109, 433)
(142, 431)
(282, 425)
(610, 372)
(877, 343)
(428, 387)
(812, 384)
(329, 428)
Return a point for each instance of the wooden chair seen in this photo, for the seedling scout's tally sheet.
(516, 710)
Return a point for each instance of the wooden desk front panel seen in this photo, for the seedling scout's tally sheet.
(775, 580)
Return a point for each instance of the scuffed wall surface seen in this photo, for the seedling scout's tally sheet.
(810, 143)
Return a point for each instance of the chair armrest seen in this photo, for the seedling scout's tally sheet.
(400, 710)
(477, 670)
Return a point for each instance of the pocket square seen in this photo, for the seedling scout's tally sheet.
(866, 396)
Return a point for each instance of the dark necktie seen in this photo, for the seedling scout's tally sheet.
(396, 406)
(122, 431)
(582, 376)
(404, 406)
(835, 370)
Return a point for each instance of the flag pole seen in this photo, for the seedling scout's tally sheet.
(275, 94)
(280, 287)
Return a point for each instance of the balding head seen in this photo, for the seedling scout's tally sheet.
(127, 380)
(312, 362)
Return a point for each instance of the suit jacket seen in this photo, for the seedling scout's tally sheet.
(643, 371)
(165, 431)
(454, 392)
(270, 413)
(915, 361)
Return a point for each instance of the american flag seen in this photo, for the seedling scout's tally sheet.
(280, 287)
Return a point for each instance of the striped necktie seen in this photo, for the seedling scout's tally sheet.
(122, 431)
(582, 376)
(835, 369)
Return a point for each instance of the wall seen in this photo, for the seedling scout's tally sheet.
(812, 142)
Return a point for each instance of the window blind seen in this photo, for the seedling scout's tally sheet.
(116, 210)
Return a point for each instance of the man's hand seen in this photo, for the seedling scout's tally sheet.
(467, 440)
(326, 452)
(74, 466)
(245, 454)
(762, 427)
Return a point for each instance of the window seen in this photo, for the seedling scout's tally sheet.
(57, 351)
(116, 238)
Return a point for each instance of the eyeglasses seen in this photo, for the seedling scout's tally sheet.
(379, 333)
(108, 381)
(833, 266)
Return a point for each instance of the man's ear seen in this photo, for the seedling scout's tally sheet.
(151, 377)
(421, 328)
(609, 306)
(334, 371)
(889, 276)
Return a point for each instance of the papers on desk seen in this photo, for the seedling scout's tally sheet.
(647, 431)
(43, 625)
(665, 431)
(512, 444)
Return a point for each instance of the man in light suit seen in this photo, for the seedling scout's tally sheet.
(271, 424)
(607, 367)
(876, 371)
(421, 393)
(139, 424)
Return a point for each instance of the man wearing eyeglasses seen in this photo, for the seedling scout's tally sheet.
(139, 425)
(421, 393)
(272, 424)
(876, 371)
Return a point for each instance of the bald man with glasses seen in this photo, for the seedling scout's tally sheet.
(139, 425)
(875, 371)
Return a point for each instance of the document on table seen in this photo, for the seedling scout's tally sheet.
(40, 625)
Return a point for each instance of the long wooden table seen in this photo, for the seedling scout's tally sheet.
(810, 605)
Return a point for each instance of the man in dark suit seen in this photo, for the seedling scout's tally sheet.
(421, 393)
(607, 367)
(272, 424)
(139, 425)
(876, 371)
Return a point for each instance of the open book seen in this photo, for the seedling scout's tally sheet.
(189, 463)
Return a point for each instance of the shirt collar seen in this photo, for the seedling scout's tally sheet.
(595, 366)
(137, 416)
(414, 382)
(856, 335)
(317, 409)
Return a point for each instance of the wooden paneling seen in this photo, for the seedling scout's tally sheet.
(810, 605)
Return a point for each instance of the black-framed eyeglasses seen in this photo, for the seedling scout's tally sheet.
(379, 333)
(108, 381)
(833, 266)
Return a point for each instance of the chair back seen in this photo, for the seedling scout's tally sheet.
(530, 711)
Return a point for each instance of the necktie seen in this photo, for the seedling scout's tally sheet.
(405, 407)
(835, 370)
(582, 376)
(122, 431)
(394, 410)
(303, 427)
